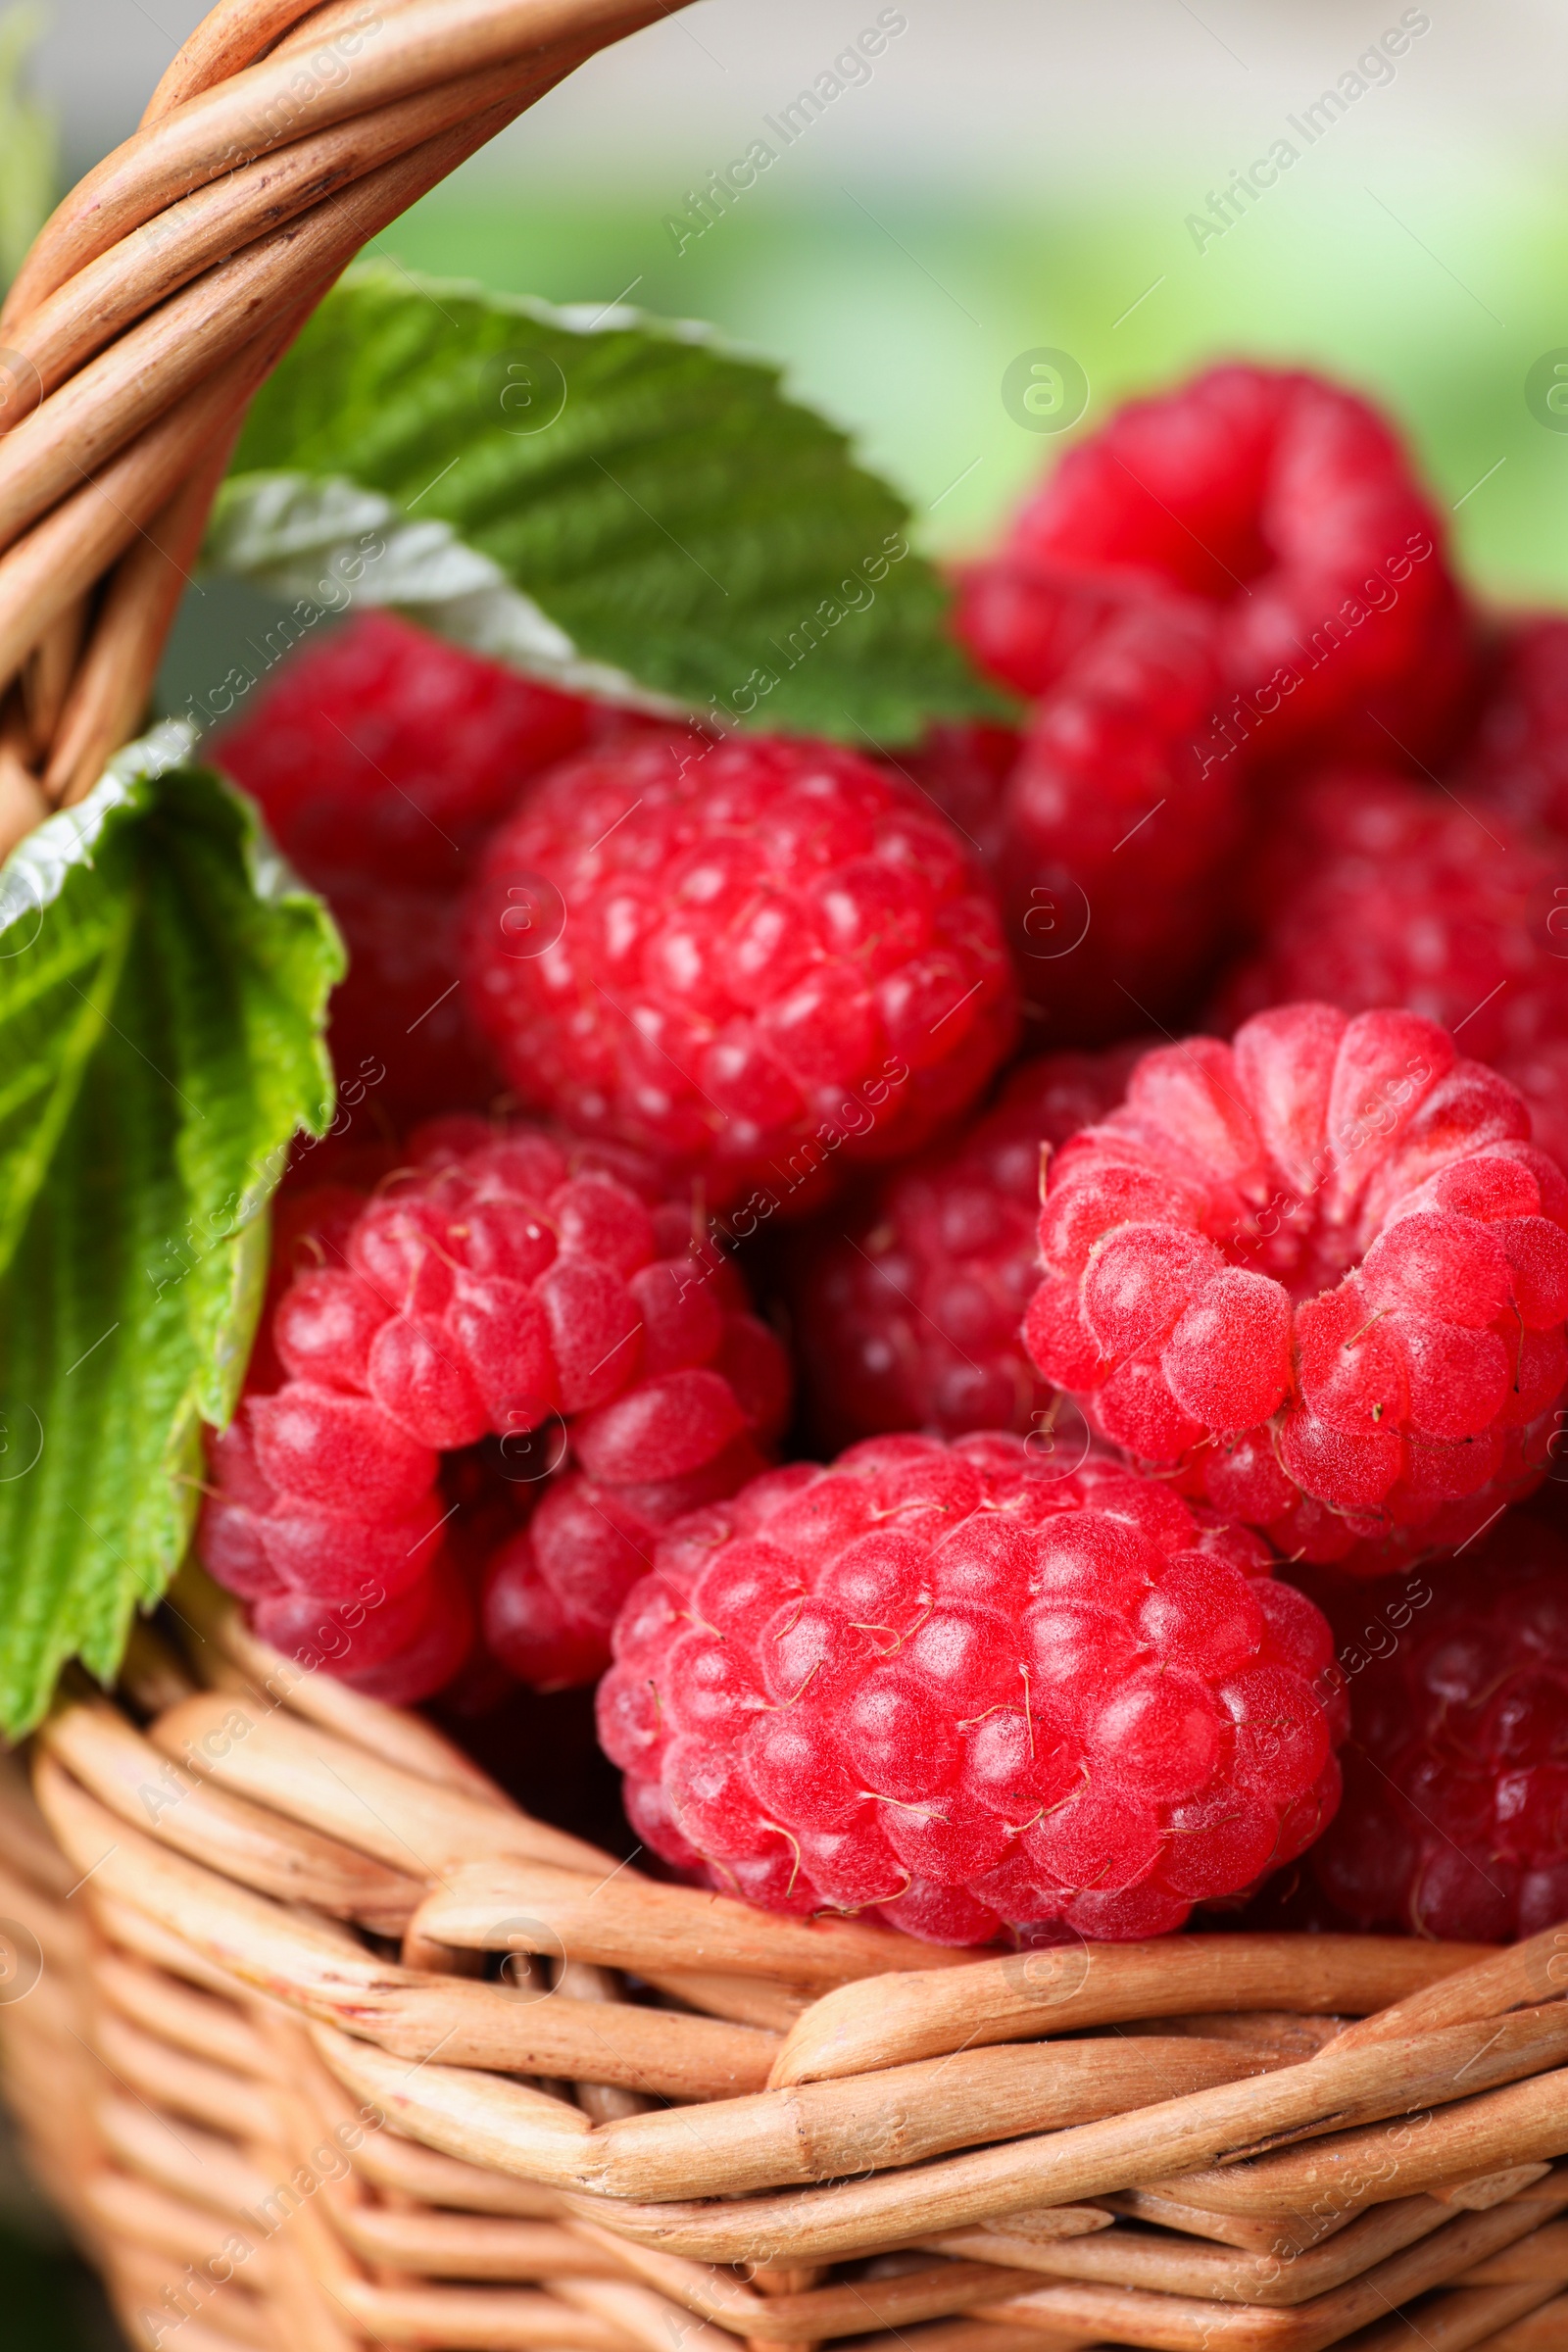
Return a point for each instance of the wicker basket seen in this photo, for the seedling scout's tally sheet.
(321, 2044)
(316, 2039)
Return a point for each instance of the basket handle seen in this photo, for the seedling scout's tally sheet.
(168, 285)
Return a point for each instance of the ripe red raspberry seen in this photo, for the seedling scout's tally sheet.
(1321, 1270)
(1455, 1813)
(506, 1285)
(1288, 504)
(382, 759)
(1373, 890)
(752, 960)
(907, 1313)
(1111, 824)
(929, 1683)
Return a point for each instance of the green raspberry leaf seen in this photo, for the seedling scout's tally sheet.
(612, 503)
(163, 990)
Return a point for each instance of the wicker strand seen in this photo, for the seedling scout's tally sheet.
(61, 556)
(625, 1922)
(109, 692)
(269, 105)
(531, 2222)
(21, 802)
(1222, 2275)
(47, 680)
(892, 2020)
(134, 382)
(280, 1858)
(1544, 2331)
(1183, 2324)
(109, 295)
(232, 37)
(1522, 2123)
(1536, 1970)
(316, 1968)
(472, 2116)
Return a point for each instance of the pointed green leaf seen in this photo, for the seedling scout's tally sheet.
(163, 988)
(612, 503)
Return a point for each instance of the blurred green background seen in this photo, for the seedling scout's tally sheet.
(1022, 176)
(1008, 178)
(900, 306)
(931, 225)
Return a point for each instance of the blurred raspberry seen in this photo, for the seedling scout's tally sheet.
(385, 752)
(402, 1042)
(928, 1682)
(1320, 1272)
(1119, 827)
(382, 759)
(505, 1283)
(1111, 824)
(907, 1312)
(1455, 1814)
(753, 960)
(1029, 619)
(963, 766)
(1517, 759)
(1287, 505)
(1370, 890)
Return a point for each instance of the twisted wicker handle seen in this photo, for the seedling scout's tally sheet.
(170, 281)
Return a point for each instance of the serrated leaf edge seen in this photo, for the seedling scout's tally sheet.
(35, 872)
(570, 318)
(283, 532)
(430, 574)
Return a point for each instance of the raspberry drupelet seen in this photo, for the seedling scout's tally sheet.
(1321, 1272)
(757, 961)
(906, 1312)
(380, 760)
(1287, 505)
(506, 1285)
(931, 1682)
(1455, 1813)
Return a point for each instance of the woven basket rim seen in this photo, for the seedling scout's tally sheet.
(277, 1905)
